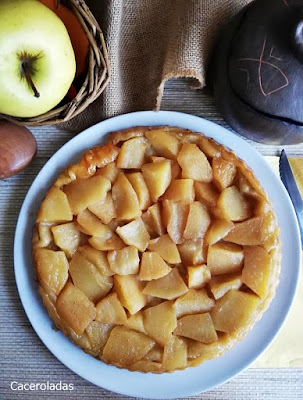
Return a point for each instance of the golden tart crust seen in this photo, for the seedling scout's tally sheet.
(157, 251)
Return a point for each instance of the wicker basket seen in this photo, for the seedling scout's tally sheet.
(95, 81)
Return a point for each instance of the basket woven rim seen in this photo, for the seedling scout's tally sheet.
(95, 81)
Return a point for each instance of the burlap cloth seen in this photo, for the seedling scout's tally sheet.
(149, 42)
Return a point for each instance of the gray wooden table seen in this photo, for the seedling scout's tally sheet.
(25, 359)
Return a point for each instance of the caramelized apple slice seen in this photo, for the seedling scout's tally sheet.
(125, 199)
(134, 234)
(249, 232)
(87, 278)
(164, 143)
(221, 284)
(174, 218)
(224, 172)
(194, 163)
(110, 310)
(67, 237)
(193, 302)
(180, 190)
(75, 308)
(256, 271)
(209, 147)
(224, 258)
(166, 248)
(81, 193)
(98, 334)
(138, 345)
(109, 171)
(175, 167)
(168, 287)
(124, 261)
(152, 267)
(198, 221)
(175, 354)
(157, 177)
(96, 257)
(146, 366)
(132, 153)
(55, 207)
(138, 183)
(233, 205)
(108, 242)
(198, 327)
(135, 322)
(156, 219)
(234, 310)
(192, 252)
(92, 225)
(198, 276)
(52, 269)
(218, 230)
(104, 209)
(160, 321)
(130, 292)
(206, 193)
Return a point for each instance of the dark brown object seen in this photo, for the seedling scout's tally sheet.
(258, 72)
(94, 82)
(17, 148)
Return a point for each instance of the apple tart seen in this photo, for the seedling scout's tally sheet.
(157, 251)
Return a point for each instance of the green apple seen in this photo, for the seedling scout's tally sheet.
(37, 61)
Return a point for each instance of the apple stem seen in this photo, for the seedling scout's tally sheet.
(28, 77)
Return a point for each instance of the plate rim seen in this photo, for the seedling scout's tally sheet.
(121, 122)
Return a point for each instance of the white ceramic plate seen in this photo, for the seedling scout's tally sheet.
(192, 380)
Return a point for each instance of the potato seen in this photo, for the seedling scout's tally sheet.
(67, 237)
(180, 190)
(221, 284)
(193, 302)
(206, 193)
(81, 193)
(109, 171)
(132, 153)
(124, 261)
(138, 183)
(110, 310)
(256, 271)
(130, 292)
(218, 230)
(166, 248)
(125, 199)
(92, 225)
(175, 354)
(134, 234)
(224, 172)
(192, 252)
(197, 327)
(157, 177)
(233, 205)
(194, 163)
(168, 287)
(55, 207)
(98, 334)
(138, 345)
(233, 311)
(174, 218)
(112, 242)
(224, 258)
(87, 278)
(198, 276)
(160, 321)
(164, 143)
(52, 269)
(96, 257)
(135, 322)
(198, 221)
(75, 308)
(104, 209)
(152, 267)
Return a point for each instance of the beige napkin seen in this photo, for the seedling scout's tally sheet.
(149, 42)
